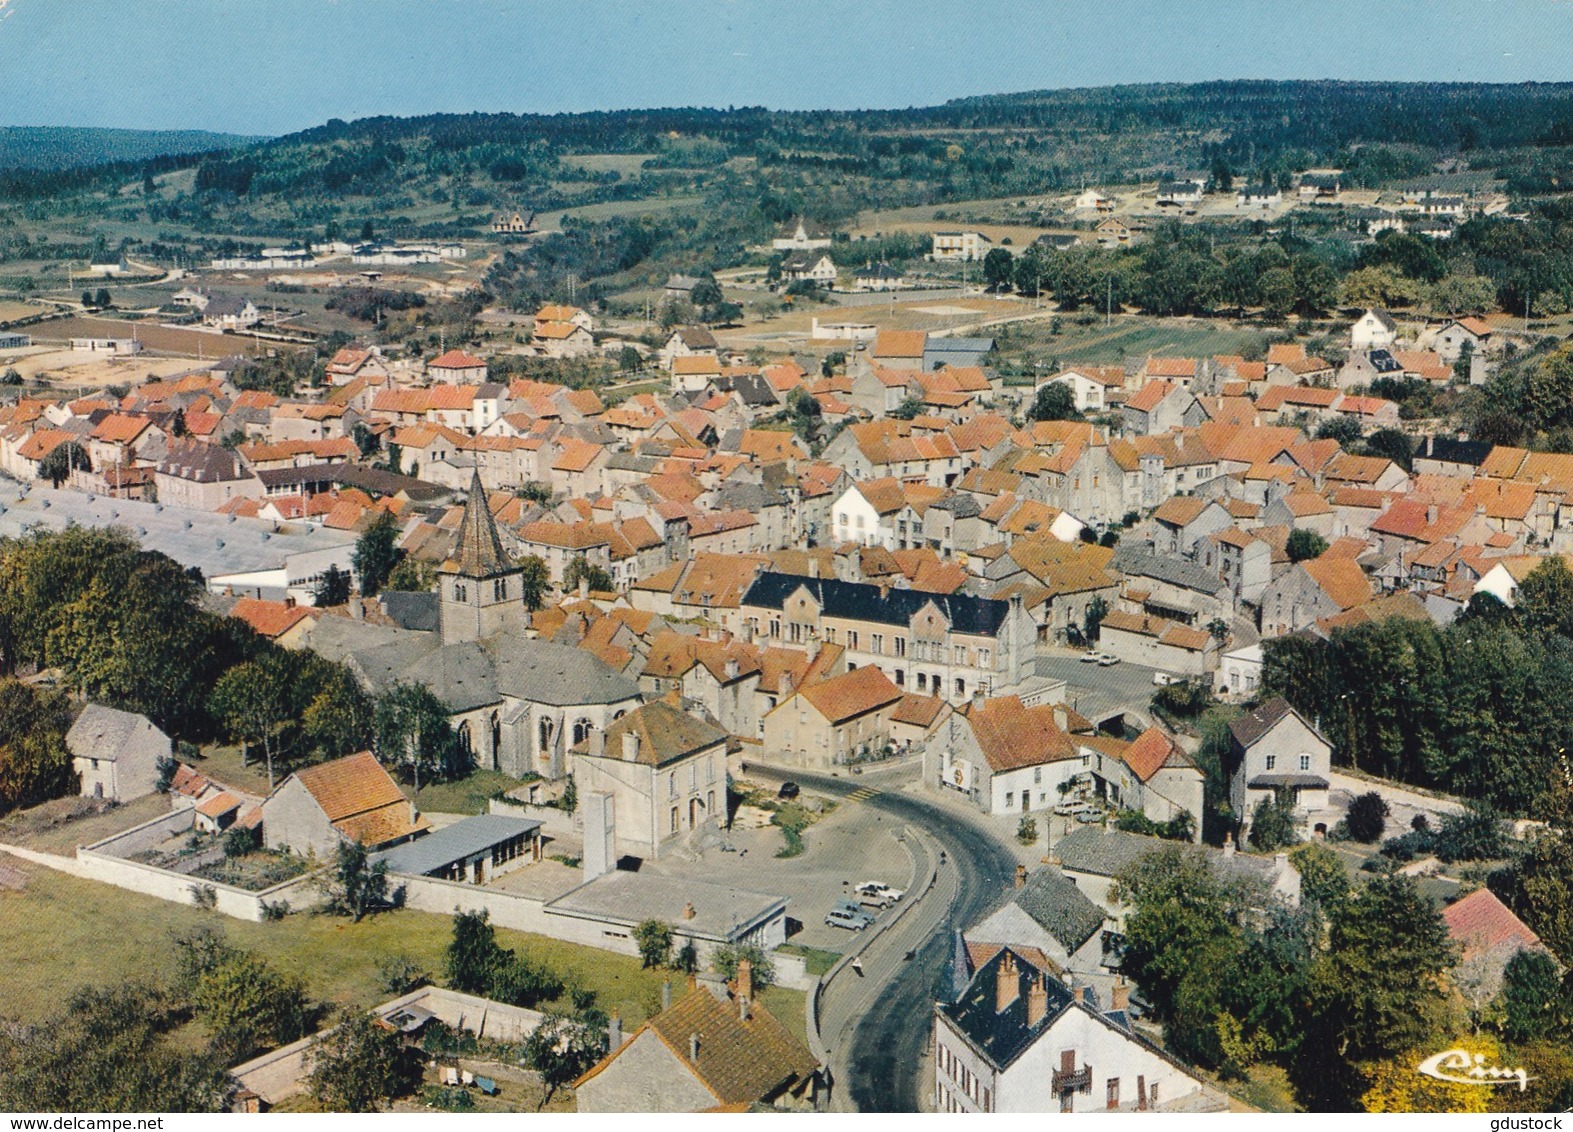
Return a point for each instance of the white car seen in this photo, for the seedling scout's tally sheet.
(1163, 678)
(845, 918)
(1108, 660)
(1071, 809)
(1089, 657)
(874, 892)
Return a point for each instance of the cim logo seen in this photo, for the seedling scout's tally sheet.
(1460, 1067)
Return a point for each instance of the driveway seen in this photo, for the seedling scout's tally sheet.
(1099, 693)
(851, 844)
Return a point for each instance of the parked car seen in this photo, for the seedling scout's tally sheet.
(877, 894)
(1071, 809)
(853, 919)
(1108, 660)
(1092, 814)
(1163, 678)
(1089, 657)
(789, 790)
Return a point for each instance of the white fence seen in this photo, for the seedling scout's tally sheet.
(106, 861)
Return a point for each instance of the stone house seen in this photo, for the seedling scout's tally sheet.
(832, 721)
(1273, 749)
(665, 771)
(116, 754)
(320, 807)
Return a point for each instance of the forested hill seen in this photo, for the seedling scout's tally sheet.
(61, 147)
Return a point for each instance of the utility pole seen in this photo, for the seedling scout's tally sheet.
(1108, 309)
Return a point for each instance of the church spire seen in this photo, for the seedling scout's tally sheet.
(479, 553)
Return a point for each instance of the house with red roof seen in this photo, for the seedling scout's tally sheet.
(457, 367)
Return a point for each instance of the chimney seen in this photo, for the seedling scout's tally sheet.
(977, 699)
(1079, 993)
(666, 994)
(584, 588)
(1120, 995)
(630, 746)
(689, 911)
(1229, 846)
(813, 566)
(1007, 986)
(614, 1033)
(786, 685)
(745, 988)
(596, 742)
(1021, 876)
(1431, 513)
(289, 603)
(357, 608)
(693, 1048)
(1062, 717)
(733, 669)
(1037, 1001)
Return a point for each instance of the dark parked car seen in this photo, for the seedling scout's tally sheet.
(788, 790)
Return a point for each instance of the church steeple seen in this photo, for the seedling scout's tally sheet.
(479, 587)
(479, 553)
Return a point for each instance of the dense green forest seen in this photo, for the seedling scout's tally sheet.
(71, 147)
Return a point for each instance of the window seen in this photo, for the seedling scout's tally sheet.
(900, 645)
(830, 635)
(1037, 776)
(1272, 762)
(960, 655)
(500, 589)
(961, 687)
(852, 639)
(842, 518)
(923, 684)
(461, 592)
(1305, 762)
(901, 678)
(674, 819)
(877, 644)
(1113, 1100)
(1010, 799)
(671, 785)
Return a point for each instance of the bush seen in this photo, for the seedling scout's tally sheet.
(1477, 834)
(274, 910)
(447, 1098)
(1027, 831)
(1367, 817)
(239, 840)
(1188, 698)
(1272, 823)
(726, 958)
(399, 974)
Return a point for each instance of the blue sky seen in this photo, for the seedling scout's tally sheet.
(272, 66)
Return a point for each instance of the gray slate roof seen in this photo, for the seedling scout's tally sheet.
(453, 843)
(102, 732)
(1144, 564)
(412, 610)
(1109, 852)
(1052, 899)
(469, 675)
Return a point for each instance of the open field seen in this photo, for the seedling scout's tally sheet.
(908, 314)
(11, 311)
(607, 210)
(223, 764)
(151, 334)
(55, 827)
(467, 795)
(72, 369)
(627, 164)
(1133, 336)
(61, 932)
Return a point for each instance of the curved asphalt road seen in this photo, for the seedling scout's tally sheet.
(889, 1041)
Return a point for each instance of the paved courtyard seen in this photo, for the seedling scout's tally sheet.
(849, 845)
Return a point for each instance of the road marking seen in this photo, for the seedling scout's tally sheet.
(861, 794)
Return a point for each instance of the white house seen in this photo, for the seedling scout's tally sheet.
(1092, 387)
(800, 235)
(1373, 330)
(1018, 1040)
(960, 246)
(1092, 199)
(1261, 197)
(1239, 672)
(810, 266)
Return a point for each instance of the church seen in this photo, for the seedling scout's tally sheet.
(517, 705)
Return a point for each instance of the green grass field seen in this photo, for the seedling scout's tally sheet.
(467, 795)
(61, 932)
(1132, 336)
